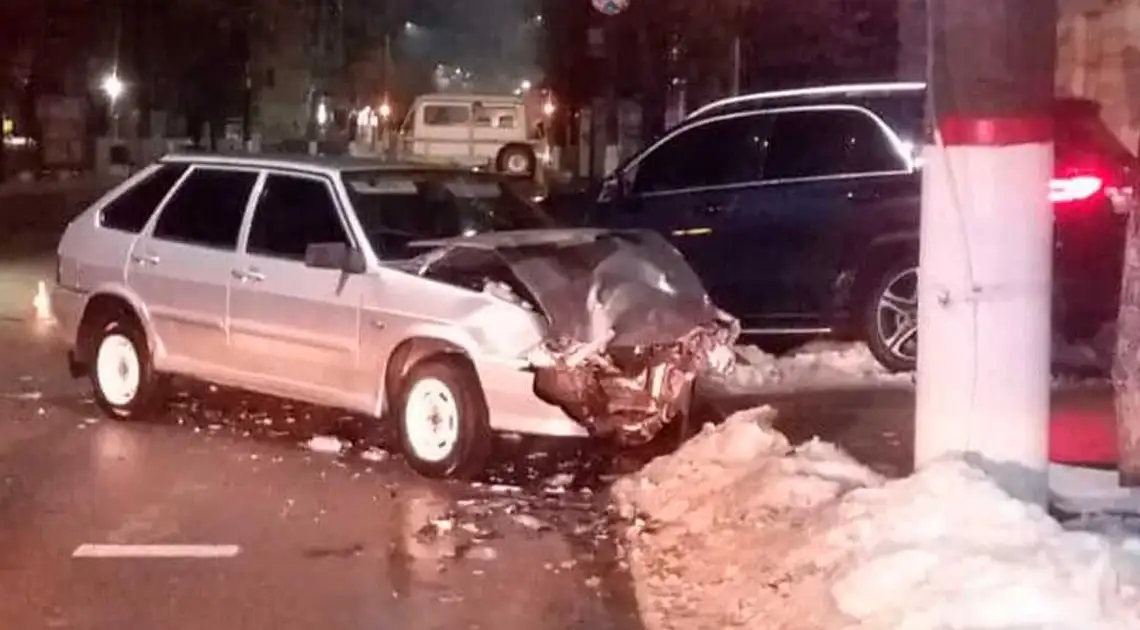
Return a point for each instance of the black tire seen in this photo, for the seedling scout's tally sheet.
(883, 338)
(466, 455)
(516, 159)
(125, 336)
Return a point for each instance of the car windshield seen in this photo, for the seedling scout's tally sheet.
(398, 208)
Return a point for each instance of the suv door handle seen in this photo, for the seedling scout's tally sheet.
(711, 208)
(248, 275)
(145, 259)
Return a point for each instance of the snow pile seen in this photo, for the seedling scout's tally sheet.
(831, 364)
(738, 529)
(819, 363)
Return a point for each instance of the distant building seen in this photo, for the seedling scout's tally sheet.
(295, 49)
(1098, 57)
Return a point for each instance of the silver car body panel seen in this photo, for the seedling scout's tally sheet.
(278, 327)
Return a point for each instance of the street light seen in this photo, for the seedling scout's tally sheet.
(385, 110)
(113, 87)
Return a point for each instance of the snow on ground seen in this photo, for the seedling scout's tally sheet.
(837, 364)
(820, 363)
(1086, 490)
(738, 529)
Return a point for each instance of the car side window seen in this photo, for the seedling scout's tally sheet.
(823, 143)
(291, 214)
(207, 209)
(717, 153)
(130, 211)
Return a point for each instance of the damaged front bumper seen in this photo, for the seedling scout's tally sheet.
(628, 325)
(630, 394)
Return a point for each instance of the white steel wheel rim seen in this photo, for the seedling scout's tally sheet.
(117, 370)
(431, 420)
(517, 163)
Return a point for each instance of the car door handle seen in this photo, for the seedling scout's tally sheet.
(247, 275)
(710, 209)
(145, 259)
(862, 195)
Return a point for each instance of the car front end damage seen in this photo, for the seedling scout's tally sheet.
(629, 326)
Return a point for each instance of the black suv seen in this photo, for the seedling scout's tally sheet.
(800, 211)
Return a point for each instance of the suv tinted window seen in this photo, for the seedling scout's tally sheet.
(827, 142)
(726, 151)
(292, 213)
(130, 211)
(207, 209)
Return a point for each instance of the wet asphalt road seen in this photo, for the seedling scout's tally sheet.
(314, 540)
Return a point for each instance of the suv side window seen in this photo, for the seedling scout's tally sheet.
(207, 209)
(824, 143)
(716, 153)
(292, 213)
(130, 211)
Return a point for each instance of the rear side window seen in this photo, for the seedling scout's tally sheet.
(446, 115)
(826, 143)
(718, 153)
(130, 211)
(207, 209)
(293, 213)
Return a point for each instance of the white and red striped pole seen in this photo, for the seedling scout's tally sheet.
(986, 247)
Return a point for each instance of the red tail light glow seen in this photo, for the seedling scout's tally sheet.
(1074, 188)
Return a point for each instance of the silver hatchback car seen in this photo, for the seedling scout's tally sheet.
(438, 298)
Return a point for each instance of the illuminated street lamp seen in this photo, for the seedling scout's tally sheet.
(385, 111)
(525, 85)
(113, 87)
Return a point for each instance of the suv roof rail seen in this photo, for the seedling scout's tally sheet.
(823, 90)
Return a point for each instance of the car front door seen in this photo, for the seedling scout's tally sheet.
(295, 329)
(180, 267)
(693, 187)
(831, 176)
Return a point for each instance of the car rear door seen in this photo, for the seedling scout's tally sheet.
(295, 329)
(180, 267)
(833, 180)
(692, 188)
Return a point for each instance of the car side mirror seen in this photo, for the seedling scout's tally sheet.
(337, 256)
(613, 189)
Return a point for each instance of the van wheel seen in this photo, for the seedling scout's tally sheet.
(516, 159)
(125, 385)
(443, 421)
(890, 317)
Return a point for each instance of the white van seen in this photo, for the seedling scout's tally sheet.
(477, 130)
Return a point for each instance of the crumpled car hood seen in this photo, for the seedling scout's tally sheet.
(593, 283)
(630, 326)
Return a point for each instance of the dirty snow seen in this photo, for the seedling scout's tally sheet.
(738, 529)
(821, 363)
(1087, 490)
(327, 444)
(843, 364)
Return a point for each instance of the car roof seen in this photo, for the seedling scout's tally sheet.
(313, 164)
(463, 97)
(808, 95)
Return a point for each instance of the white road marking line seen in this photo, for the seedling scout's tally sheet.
(155, 551)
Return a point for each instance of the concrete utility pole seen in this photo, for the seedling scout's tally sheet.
(1126, 367)
(985, 267)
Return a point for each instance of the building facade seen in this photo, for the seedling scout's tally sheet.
(1098, 57)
